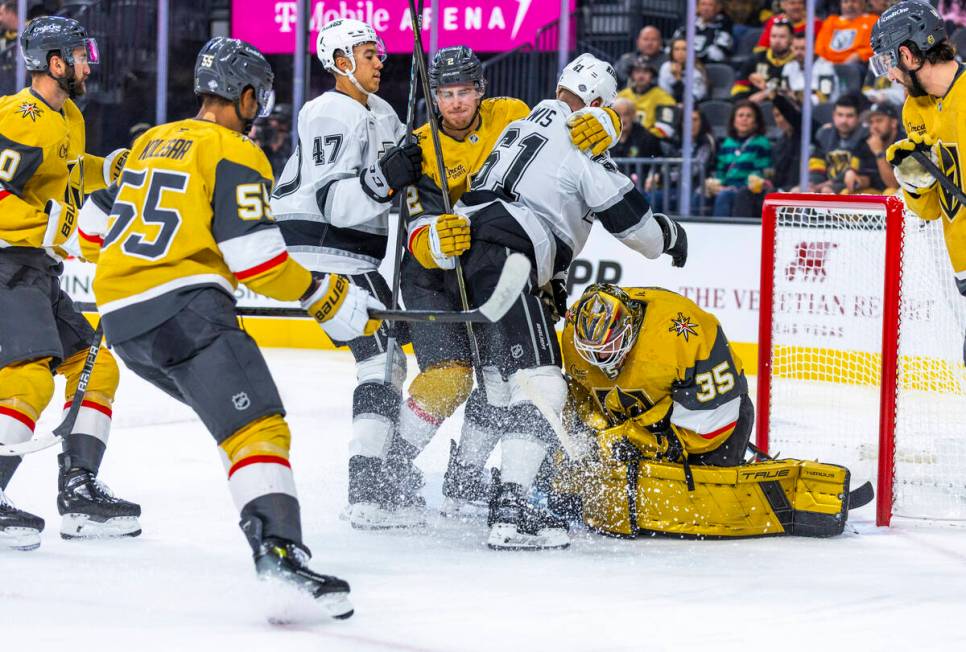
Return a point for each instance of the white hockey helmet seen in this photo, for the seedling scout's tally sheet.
(589, 78)
(343, 35)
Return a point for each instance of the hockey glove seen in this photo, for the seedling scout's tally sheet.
(594, 130)
(675, 239)
(61, 222)
(114, 165)
(399, 167)
(554, 296)
(439, 243)
(341, 307)
(912, 177)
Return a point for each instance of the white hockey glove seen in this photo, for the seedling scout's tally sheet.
(342, 308)
(594, 130)
(912, 177)
(61, 223)
(114, 165)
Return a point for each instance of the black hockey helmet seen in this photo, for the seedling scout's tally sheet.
(227, 66)
(58, 35)
(456, 65)
(909, 21)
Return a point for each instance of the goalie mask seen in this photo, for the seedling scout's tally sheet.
(338, 39)
(589, 78)
(606, 322)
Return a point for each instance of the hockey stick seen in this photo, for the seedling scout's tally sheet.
(444, 186)
(61, 431)
(512, 280)
(949, 186)
(403, 214)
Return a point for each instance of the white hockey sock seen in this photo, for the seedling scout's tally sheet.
(370, 436)
(476, 444)
(416, 425)
(521, 460)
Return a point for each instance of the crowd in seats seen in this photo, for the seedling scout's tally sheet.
(748, 89)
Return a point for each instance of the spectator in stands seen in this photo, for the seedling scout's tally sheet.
(671, 75)
(9, 50)
(825, 83)
(841, 161)
(878, 6)
(273, 135)
(787, 149)
(792, 11)
(703, 150)
(746, 14)
(762, 74)
(744, 154)
(885, 128)
(713, 42)
(634, 141)
(845, 37)
(953, 12)
(644, 92)
(650, 49)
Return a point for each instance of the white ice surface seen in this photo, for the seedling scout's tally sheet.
(187, 582)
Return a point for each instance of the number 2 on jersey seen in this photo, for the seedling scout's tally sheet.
(136, 243)
(527, 150)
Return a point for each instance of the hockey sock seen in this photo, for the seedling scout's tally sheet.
(482, 426)
(375, 408)
(92, 427)
(521, 461)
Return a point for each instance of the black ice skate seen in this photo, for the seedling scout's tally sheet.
(384, 495)
(517, 525)
(285, 561)
(19, 530)
(466, 492)
(90, 510)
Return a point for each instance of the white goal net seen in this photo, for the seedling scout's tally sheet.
(837, 273)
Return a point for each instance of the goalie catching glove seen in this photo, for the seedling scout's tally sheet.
(399, 167)
(594, 130)
(341, 307)
(439, 243)
(910, 174)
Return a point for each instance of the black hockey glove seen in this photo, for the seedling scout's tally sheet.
(675, 239)
(399, 167)
(554, 296)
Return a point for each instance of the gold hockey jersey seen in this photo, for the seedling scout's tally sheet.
(681, 365)
(41, 158)
(462, 157)
(191, 211)
(943, 118)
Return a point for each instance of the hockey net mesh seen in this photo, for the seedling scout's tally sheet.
(827, 312)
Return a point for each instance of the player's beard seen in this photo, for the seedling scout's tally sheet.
(914, 86)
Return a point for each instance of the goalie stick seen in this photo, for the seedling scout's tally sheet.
(61, 431)
(512, 279)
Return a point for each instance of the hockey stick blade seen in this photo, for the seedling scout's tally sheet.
(512, 280)
(862, 495)
(29, 446)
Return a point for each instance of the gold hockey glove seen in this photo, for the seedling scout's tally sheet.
(594, 130)
(61, 222)
(909, 173)
(438, 244)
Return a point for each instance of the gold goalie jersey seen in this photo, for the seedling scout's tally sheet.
(191, 211)
(945, 120)
(41, 158)
(462, 158)
(681, 365)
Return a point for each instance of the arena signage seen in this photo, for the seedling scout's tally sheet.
(484, 25)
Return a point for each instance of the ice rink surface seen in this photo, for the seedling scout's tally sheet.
(187, 583)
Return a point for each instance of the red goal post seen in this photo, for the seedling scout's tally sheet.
(847, 357)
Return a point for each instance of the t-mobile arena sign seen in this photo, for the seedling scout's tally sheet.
(484, 25)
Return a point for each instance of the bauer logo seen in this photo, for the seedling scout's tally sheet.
(810, 261)
(241, 401)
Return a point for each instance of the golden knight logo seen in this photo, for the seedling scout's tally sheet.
(682, 326)
(949, 164)
(30, 110)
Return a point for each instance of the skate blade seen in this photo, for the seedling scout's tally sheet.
(364, 516)
(506, 537)
(463, 510)
(20, 538)
(82, 526)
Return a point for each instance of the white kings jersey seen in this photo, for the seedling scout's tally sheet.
(329, 223)
(554, 192)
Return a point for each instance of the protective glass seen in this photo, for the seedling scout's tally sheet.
(266, 102)
(880, 64)
(464, 92)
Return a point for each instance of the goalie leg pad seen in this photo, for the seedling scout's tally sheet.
(256, 458)
(88, 439)
(780, 497)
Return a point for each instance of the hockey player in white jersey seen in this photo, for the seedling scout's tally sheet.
(332, 204)
(538, 194)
